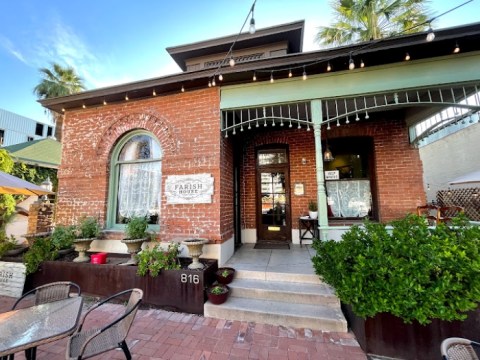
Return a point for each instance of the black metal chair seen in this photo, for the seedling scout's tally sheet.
(455, 348)
(84, 344)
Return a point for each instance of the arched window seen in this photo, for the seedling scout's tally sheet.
(135, 179)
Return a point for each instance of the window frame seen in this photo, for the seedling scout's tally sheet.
(114, 177)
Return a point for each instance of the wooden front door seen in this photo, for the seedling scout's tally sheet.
(273, 195)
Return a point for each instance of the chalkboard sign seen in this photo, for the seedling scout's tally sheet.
(12, 279)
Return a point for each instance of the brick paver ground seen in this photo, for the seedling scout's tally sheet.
(159, 334)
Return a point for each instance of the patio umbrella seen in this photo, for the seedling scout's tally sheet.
(473, 177)
(10, 184)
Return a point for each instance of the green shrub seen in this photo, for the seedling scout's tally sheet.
(413, 271)
(63, 236)
(6, 243)
(154, 260)
(88, 228)
(41, 250)
(136, 228)
(312, 205)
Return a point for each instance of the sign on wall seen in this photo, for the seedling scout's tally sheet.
(12, 279)
(189, 189)
(332, 175)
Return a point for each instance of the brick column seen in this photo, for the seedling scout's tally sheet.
(40, 217)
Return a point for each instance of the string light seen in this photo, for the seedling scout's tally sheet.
(351, 63)
(362, 64)
(213, 82)
(232, 61)
(254, 78)
(251, 29)
(271, 77)
(431, 34)
(209, 83)
(84, 106)
(329, 68)
(456, 50)
(220, 77)
(183, 89)
(63, 109)
(154, 93)
(126, 97)
(407, 56)
(104, 102)
(290, 73)
(304, 76)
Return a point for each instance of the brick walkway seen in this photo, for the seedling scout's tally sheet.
(159, 334)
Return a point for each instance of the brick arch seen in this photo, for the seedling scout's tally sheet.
(271, 139)
(156, 125)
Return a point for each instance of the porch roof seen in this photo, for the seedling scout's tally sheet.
(373, 53)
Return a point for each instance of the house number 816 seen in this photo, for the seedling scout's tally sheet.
(192, 279)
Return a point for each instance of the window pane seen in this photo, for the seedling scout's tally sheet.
(270, 157)
(140, 147)
(139, 191)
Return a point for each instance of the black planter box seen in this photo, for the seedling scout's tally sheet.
(387, 335)
(175, 290)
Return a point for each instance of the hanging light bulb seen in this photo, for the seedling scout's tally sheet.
(84, 106)
(362, 64)
(351, 63)
(183, 89)
(126, 97)
(209, 83)
(63, 109)
(271, 77)
(329, 68)
(213, 81)
(232, 61)
(104, 102)
(304, 76)
(407, 56)
(254, 76)
(220, 77)
(290, 73)
(457, 48)
(251, 29)
(154, 93)
(327, 155)
(430, 35)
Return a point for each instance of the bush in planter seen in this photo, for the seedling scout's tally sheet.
(225, 275)
(136, 228)
(413, 272)
(154, 260)
(312, 206)
(88, 228)
(63, 236)
(6, 243)
(42, 249)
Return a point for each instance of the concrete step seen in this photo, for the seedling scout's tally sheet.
(278, 276)
(289, 292)
(315, 317)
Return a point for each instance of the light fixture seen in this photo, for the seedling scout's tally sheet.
(362, 64)
(213, 82)
(63, 109)
(104, 102)
(290, 73)
(231, 61)
(220, 77)
(327, 155)
(430, 35)
(407, 56)
(254, 76)
(154, 93)
(183, 89)
(351, 63)
(271, 77)
(126, 97)
(251, 29)
(329, 68)
(209, 83)
(84, 106)
(304, 76)
(456, 50)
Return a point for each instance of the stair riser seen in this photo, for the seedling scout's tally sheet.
(271, 276)
(289, 297)
(274, 319)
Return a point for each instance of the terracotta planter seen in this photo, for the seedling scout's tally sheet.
(225, 279)
(218, 299)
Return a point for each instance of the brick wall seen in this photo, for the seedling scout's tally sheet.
(397, 167)
(187, 126)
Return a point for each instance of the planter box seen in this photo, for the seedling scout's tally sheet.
(387, 335)
(175, 290)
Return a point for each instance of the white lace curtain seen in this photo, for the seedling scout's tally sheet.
(349, 198)
(139, 189)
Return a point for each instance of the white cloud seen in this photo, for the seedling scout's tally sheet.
(10, 48)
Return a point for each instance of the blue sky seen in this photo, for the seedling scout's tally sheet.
(112, 42)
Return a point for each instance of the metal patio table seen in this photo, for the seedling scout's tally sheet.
(25, 329)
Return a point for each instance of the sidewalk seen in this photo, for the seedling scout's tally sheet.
(159, 334)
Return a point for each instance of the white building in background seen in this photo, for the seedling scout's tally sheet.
(15, 129)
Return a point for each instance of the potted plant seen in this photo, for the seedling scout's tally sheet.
(218, 293)
(63, 237)
(9, 246)
(88, 229)
(42, 249)
(225, 275)
(136, 234)
(407, 271)
(312, 209)
(152, 261)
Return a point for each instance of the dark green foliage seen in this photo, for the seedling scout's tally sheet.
(413, 271)
(136, 228)
(154, 260)
(41, 250)
(312, 205)
(6, 243)
(88, 228)
(63, 236)
(218, 289)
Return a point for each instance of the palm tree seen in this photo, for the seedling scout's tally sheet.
(363, 20)
(58, 81)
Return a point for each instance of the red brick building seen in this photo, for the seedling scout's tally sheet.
(235, 154)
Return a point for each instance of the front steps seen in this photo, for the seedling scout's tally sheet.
(291, 300)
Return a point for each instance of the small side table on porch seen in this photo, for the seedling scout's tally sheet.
(307, 228)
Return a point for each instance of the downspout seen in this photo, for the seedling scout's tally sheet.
(316, 106)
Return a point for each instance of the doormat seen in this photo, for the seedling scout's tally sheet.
(272, 245)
